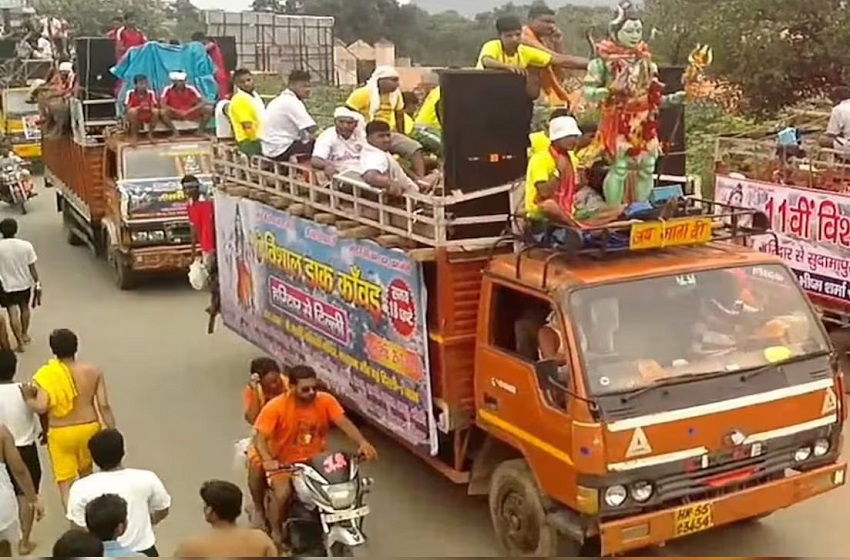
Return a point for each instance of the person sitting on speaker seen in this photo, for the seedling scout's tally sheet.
(378, 167)
(380, 99)
(143, 109)
(183, 102)
(507, 53)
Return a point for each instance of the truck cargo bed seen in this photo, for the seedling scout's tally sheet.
(78, 171)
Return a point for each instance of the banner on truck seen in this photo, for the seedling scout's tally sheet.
(812, 228)
(351, 309)
(155, 198)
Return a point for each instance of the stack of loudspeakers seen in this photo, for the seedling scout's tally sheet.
(486, 119)
(95, 56)
(671, 125)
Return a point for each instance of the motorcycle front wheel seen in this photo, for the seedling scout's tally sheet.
(340, 550)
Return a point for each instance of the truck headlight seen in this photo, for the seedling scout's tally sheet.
(641, 491)
(139, 236)
(802, 454)
(821, 447)
(616, 495)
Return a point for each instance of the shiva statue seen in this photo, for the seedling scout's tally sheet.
(623, 81)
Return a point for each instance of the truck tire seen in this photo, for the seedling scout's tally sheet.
(122, 274)
(72, 238)
(518, 515)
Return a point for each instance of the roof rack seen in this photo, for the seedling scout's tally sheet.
(697, 221)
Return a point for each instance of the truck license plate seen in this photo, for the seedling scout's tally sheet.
(693, 519)
(345, 515)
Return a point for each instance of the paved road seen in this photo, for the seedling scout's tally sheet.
(176, 398)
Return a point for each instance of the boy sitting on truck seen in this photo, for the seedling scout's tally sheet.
(183, 102)
(143, 108)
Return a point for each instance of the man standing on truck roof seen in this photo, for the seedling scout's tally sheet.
(338, 148)
(837, 134)
(246, 110)
(381, 100)
(19, 277)
(128, 36)
(142, 108)
(293, 428)
(183, 102)
(287, 130)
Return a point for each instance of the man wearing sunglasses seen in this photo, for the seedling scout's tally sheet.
(293, 428)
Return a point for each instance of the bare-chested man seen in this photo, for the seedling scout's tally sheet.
(10, 530)
(73, 395)
(222, 507)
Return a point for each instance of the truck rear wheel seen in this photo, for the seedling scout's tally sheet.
(518, 515)
(122, 274)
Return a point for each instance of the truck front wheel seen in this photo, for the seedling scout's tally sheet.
(122, 274)
(518, 515)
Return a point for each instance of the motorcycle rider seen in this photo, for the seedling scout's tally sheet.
(293, 428)
(7, 151)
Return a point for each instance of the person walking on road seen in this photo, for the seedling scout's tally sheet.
(222, 507)
(106, 518)
(24, 426)
(147, 499)
(73, 395)
(21, 286)
(10, 530)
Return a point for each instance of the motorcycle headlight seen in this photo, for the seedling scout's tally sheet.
(616, 495)
(341, 496)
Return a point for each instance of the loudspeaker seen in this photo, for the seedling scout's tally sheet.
(8, 49)
(486, 118)
(671, 125)
(228, 51)
(95, 56)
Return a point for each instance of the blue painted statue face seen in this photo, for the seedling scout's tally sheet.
(631, 33)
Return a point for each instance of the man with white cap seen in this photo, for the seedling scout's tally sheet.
(552, 190)
(338, 148)
(64, 79)
(381, 100)
(183, 102)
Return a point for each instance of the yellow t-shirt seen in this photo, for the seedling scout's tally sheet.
(539, 142)
(361, 99)
(427, 115)
(542, 167)
(243, 109)
(408, 124)
(524, 57)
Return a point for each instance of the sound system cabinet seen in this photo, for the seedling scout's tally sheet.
(486, 118)
(95, 56)
(671, 125)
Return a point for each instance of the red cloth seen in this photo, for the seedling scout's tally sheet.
(221, 76)
(144, 102)
(202, 217)
(181, 100)
(567, 188)
(126, 38)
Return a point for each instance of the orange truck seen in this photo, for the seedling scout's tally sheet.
(694, 385)
(124, 199)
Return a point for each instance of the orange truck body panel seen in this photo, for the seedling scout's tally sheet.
(80, 170)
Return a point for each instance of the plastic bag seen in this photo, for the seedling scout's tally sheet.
(240, 454)
(198, 275)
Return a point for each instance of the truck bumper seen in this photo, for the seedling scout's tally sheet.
(160, 259)
(661, 526)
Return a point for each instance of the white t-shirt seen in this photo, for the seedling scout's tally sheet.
(223, 128)
(16, 255)
(373, 159)
(142, 490)
(342, 153)
(839, 125)
(44, 48)
(285, 117)
(17, 416)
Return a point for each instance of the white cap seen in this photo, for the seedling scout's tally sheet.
(345, 113)
(563, 127)
(382, 72)
(66, 67)
(177, 76)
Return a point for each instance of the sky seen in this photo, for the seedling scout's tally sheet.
(236, 5)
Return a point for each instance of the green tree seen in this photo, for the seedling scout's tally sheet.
(92, 18)
(187, 17)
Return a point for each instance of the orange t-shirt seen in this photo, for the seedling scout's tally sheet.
(296, 432)
(249, 394)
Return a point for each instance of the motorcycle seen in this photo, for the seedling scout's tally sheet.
(15, 183)
(327, 509)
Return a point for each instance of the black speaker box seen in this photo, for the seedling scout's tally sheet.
(7, 49)
(486, 118)
(228, 51)
(95, 56)
(671, 125)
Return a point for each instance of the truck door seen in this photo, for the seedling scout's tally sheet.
(510, 402)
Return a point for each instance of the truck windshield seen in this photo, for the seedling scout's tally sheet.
(167, 160)
(726, 320)
(15, 103)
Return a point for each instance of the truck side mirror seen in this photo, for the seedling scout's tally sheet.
(553, 374)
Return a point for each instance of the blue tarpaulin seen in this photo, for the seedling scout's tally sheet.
(156, 60)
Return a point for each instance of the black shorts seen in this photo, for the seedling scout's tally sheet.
(29, 454)
(19, 299)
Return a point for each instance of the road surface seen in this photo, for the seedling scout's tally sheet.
(176, 394)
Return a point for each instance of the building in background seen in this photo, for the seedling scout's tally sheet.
(273, 43)
(355, 63)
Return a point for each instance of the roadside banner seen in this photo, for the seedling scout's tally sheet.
(812, 228)
(351, 309)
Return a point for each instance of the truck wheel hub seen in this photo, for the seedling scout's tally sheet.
(519, 523)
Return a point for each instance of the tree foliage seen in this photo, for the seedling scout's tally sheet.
(92, 17)
(777, 53)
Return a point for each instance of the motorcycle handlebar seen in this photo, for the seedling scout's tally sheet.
(293, 468)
